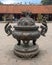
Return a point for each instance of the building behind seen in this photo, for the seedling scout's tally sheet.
(14, 11)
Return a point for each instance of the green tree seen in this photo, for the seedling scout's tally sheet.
(1, 3)
(39, 18)
(46, 2)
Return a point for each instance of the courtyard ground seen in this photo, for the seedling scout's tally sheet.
(7, 43)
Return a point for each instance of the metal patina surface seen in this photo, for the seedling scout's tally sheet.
(23, 32)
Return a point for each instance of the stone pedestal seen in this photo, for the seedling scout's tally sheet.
(28, 51)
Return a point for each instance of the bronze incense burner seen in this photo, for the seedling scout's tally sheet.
(24, 32)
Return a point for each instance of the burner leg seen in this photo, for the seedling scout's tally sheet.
(34, 42)
(19, 42)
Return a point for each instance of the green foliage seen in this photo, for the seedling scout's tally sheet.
(1, 3)
(46, 2)
(39, 18)
(4, 17)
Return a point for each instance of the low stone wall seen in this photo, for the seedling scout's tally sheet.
(7, 21)
(16, 21)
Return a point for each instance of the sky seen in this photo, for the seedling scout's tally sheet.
(19, 1)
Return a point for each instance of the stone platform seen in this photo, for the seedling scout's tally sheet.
(26, 52)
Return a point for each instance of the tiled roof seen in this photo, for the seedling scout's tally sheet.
(46, 9)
